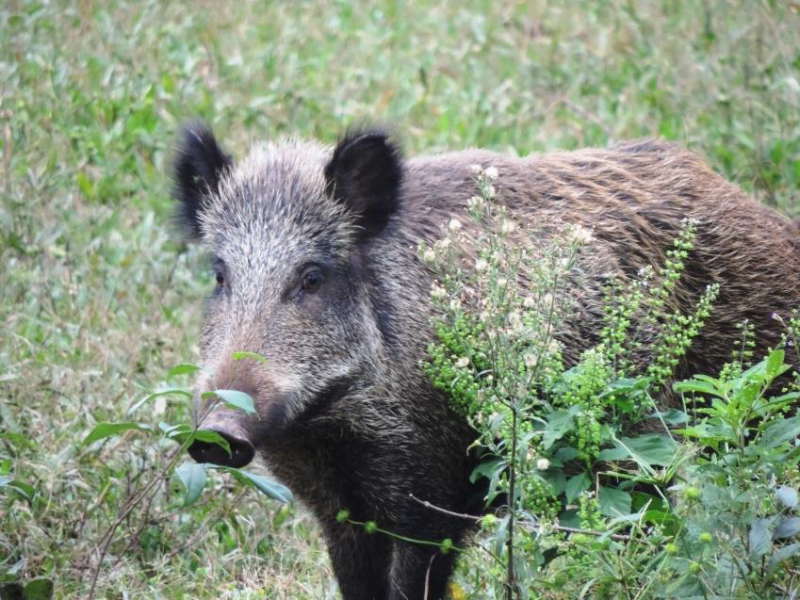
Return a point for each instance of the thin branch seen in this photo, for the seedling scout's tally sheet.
(428, 577)
(205, 527)
(108, 537)
(527, 525)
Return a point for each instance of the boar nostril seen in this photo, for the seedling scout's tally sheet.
(242, 452)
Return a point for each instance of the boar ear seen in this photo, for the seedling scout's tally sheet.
(199, 165)
(364, 174)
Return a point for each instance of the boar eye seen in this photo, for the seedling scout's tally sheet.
(219, 272)
(312, 280)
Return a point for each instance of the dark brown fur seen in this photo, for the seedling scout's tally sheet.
(346, 418)
(634, 198)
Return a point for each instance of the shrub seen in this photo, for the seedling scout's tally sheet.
(700, 506)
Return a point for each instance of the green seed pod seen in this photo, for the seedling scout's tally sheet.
(691, 493)
(446, 546)
(488, 521)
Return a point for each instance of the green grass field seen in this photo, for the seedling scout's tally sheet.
(100, 297)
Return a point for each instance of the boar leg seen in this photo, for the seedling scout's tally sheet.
(360, 561)
(412, 566)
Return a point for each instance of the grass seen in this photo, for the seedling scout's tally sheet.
(100, 297)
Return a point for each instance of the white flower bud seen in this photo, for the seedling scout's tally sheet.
(581, 235)
(475, 169)
(438, 291)
(454, 224)
(481, 265)
(491, 172)
(507, 227)
(429, 255)
(475, 203)
(542, 464)
(462, 363)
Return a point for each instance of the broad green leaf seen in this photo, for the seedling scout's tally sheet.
(787, 496)
(558, 424)
(628, 383)
(787, 528)
(666, 519)
(566, 453)
(165, 392)
(266, 486)
(212, 437)
(182, 369)
(182, 433)
(759, 538)
(38, 589)
(782, 430)
(491, 469)
(671, 416)
(252, 355)
(104, 430)
(193, 478)
(235, 399)
(24, 489)
(486, 468)
(695, 386)
(18, 440)
(569, 518)
(613, 502)
(635, 517)
(651, 449)
(557, 480)
(777, 402)
(783, 554)
(757, 371)
(617, 453)
(775, 363)
(575, 485)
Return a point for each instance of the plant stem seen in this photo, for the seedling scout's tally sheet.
(511, 494)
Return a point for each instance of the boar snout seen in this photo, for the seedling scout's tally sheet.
(226, 423)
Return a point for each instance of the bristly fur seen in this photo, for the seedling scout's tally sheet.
(364, 174)
(345, 416)
(199, 165)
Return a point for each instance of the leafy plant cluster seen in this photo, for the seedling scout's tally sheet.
(601, 493)
(169, 439)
